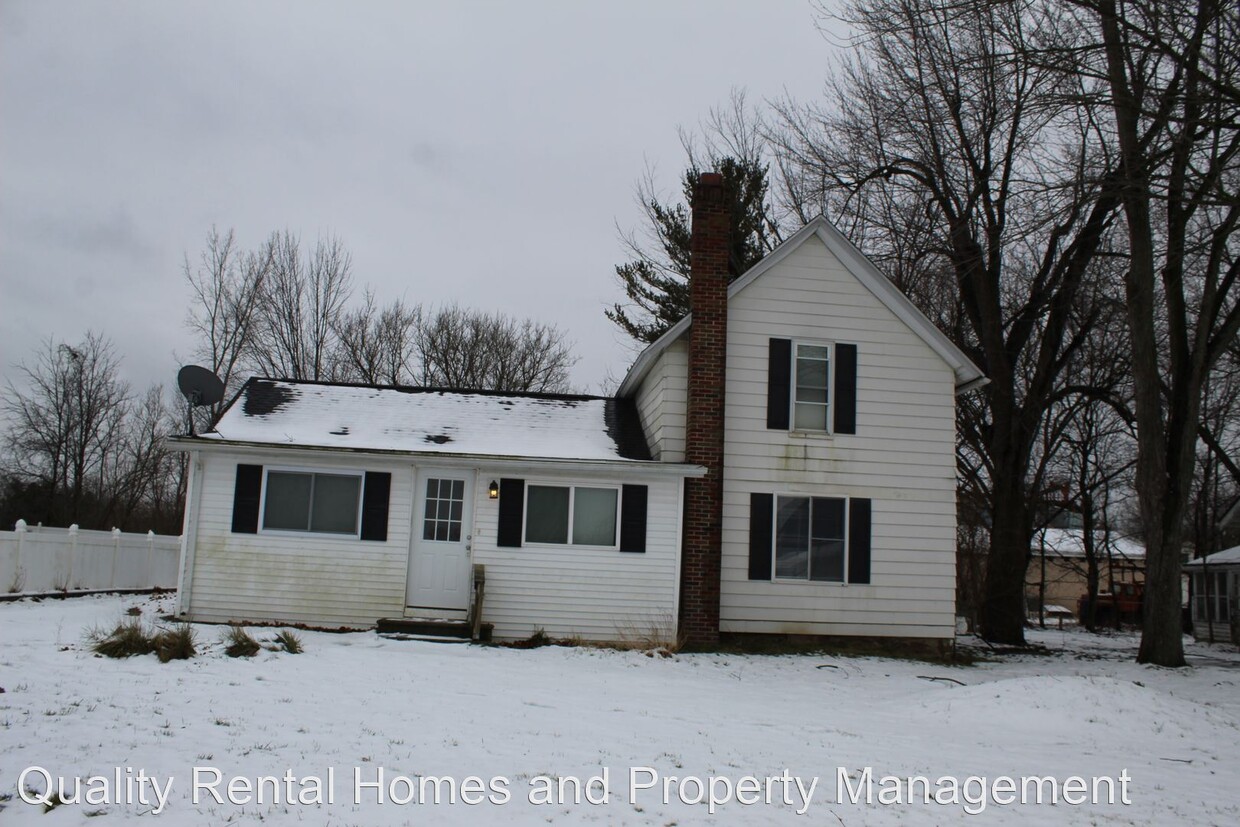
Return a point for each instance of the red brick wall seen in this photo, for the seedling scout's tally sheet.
(708, 289)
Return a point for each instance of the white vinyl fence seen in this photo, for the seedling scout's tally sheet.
(35, 560)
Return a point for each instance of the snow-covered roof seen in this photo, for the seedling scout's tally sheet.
(1070, 542)
(968, 375)
(431, 421)
(1230, 556)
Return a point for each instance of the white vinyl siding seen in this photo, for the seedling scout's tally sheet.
(661, 403)
(287, 577)
(583, 591)
(902, 458)
(330, 580)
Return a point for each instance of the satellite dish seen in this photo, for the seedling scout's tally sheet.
(200, 387)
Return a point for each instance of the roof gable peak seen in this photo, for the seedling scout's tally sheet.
(968, 375)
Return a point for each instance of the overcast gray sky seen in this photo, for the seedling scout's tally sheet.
(482, 153)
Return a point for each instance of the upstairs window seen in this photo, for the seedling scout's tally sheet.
(811, 387)
(812, 400)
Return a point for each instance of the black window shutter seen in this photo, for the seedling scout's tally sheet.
(845, 389)
(375, 505)
(779, 384)
(858, 540)
(246, 494)
(761, 513)
(511, 512)
(633, 518)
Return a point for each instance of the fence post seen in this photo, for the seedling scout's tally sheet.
(73, 541)
(116, 550)
(150, 556)
(19, 579)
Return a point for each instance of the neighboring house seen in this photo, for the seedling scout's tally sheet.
(1216, 595)
(782, 462)
(1231, 517)
(1058, 567)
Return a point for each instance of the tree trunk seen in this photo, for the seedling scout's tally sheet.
(1162, 640)
(1003, 604)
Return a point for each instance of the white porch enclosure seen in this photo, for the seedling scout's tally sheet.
(37, 559)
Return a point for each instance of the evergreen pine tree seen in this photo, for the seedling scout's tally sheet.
(657, 281)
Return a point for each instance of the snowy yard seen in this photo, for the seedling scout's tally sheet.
(354, 706)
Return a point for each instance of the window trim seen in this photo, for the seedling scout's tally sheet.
(293, 469)
(830, 389)
(794, 495)
(572, 501)
(1216, 607)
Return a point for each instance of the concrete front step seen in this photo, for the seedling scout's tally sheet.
(423, 628)
(424, 638)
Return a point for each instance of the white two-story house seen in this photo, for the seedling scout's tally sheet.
(781, 462)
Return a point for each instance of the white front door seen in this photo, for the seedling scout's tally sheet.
(439, 557)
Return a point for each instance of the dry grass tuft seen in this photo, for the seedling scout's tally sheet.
(127, 639)
(288, 640)
(239, 643)
(177, 643)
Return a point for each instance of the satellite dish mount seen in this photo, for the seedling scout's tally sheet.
(200, 387)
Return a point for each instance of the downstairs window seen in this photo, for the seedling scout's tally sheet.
(556, 513)
(810, 538)
(312, 502)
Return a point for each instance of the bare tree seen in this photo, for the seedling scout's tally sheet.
(139, 472)
(1171, 72)
(227, 286)
(67, 423)
(952, 153)
(461, 348)
(378, 345)
(300, 307)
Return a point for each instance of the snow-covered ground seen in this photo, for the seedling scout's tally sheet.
(357, 705)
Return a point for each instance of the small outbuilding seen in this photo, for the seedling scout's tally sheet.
(1215, 585)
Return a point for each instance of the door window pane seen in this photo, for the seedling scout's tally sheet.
(445, 507)
(546, 514)
(594, 516)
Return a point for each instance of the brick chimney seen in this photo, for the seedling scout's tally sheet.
(708, 300)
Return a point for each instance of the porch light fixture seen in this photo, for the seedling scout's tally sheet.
(493, 490)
